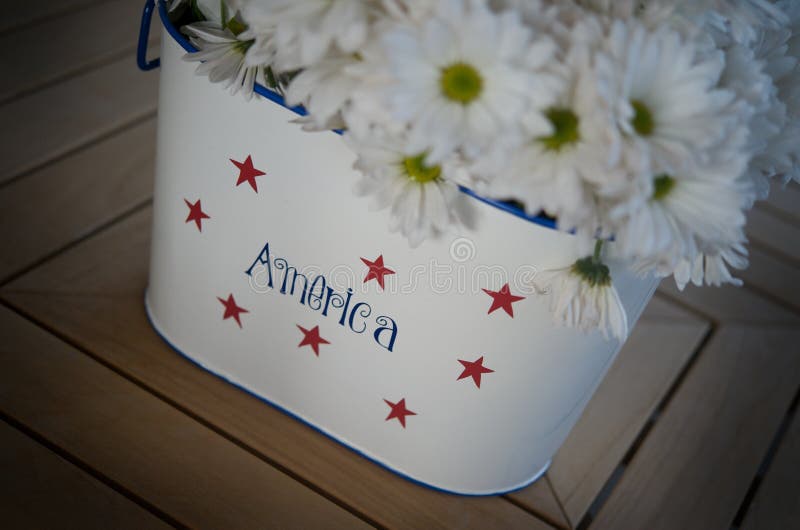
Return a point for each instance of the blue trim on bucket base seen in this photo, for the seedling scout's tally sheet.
(333, 437)
(273, 96)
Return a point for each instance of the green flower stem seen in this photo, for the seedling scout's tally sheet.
(598, 247)
(196, 11)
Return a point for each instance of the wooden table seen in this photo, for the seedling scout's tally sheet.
(103, 426)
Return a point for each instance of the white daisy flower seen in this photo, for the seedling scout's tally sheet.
(366, 108)
(293, 34)
(745, 76)
(790, 84)
(686, 16)
(221, 57)
(323, 89)
(422, 202)
(783, 160)
(667, 102)
(565, 148)
(584, 297)
(712, 268)
(746, 17)
(681, 214)
(464, 75)
(778, 125)
(623, 9)
(536, 14)
(413, 11)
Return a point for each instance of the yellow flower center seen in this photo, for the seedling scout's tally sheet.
(461, 83)
(662, 186)
(642, 121)
(418, 171)
(236, 26)
(565, 129)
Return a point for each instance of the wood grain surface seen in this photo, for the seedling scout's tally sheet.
(103, 426)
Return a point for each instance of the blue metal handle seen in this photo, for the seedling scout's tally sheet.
(144, 36)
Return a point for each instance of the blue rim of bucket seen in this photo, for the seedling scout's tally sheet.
(273, 96)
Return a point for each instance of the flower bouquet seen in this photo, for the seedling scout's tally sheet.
(536, 160)
(653, 123)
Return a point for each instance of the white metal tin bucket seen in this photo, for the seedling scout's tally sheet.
(250, 271)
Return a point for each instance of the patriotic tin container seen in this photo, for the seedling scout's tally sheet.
(437, 362)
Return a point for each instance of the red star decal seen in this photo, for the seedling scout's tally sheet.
(474, 369)
(231, 309)
(399, 411)
(376, 270)
(247, 173)
(503, 298)
(196, 214)
(311, 338)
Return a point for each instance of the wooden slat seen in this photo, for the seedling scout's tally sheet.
(44, 52)
(784, 200)
(66, 200)
(777, 503)
(93, 295)
(94, 186)
(774, 233)
(773, 276)
(695, 466)
(61, 118)
(39, 489)
(662, 309)
(154, 451)
(658, 348)
(729, 304)
(17, 13)
(540, 499)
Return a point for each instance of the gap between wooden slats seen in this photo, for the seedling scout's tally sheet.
(42, 490)
(146, 446)
(19, 15)
(59, 120)
(52, 51)
(656, 352)
(695, 467)
(95, 187)
(775, 499)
